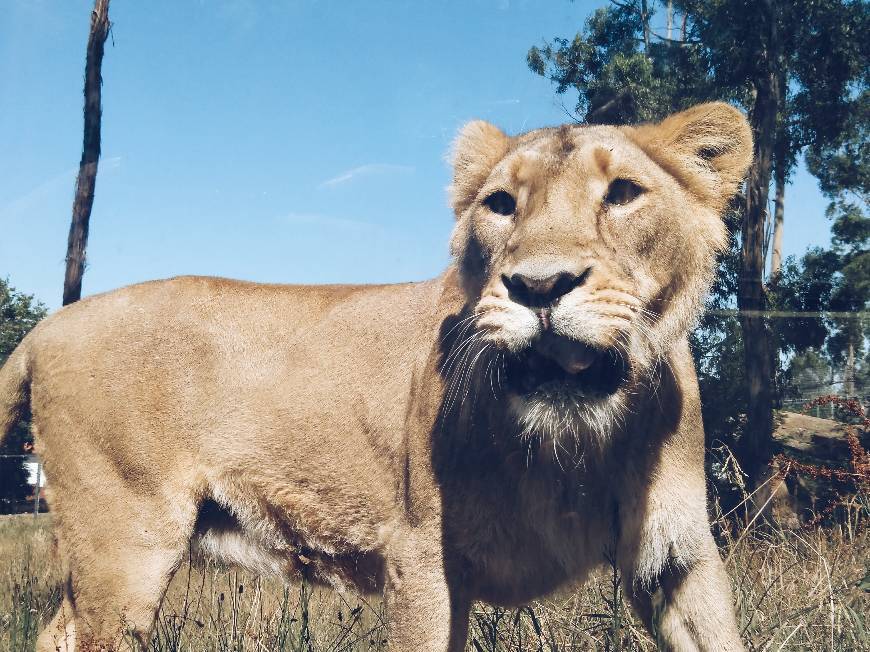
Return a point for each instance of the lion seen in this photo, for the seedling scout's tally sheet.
(492, 434)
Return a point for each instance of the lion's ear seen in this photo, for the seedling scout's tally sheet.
(707, 147)
(477, 148)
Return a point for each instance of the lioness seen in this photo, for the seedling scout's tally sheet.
(491, 434)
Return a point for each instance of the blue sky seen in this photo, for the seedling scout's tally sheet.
(265, 140)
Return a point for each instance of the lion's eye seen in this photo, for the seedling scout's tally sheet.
(622, 191)
(501, 202)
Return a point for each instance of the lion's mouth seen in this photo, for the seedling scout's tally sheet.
(557, 363)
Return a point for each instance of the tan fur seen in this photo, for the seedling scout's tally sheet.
(362, 436)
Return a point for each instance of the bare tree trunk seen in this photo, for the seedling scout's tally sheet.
(778, 217)
(670, 19)
(756, 442)
(849, 371)
(644, 19)
(86, 181)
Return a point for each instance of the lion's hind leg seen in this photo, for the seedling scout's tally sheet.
(120, 558)
(60, 633)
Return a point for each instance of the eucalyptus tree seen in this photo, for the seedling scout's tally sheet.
(798, 68)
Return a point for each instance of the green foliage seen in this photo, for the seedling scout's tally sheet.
(809, 376)
(837, 279)
(842, 166)
(18, 314)
(803, 287)
(626, 70)
(620, 79)
(844, 174)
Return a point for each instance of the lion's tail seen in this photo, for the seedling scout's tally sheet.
(14, 388)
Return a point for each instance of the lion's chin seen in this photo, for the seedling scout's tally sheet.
(566, 419)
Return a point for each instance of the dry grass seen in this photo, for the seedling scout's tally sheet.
(28, 580)
(795, 590)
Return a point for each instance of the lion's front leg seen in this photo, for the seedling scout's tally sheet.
(673, 573)
(427, 610)
(688, 609)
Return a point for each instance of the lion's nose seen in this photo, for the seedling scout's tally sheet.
(542, 291)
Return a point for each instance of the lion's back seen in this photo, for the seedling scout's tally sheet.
(227, 364)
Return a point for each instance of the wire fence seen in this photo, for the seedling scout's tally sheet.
(37, 480)
(842, 381)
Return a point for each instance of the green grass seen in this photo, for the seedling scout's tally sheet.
(795, 590)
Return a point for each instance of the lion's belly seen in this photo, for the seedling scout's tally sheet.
(273, 547)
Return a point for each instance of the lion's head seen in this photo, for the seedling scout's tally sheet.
(585, 252)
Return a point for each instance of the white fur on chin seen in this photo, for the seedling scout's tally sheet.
(556, 417)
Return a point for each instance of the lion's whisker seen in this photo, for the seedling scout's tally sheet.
(457, 373)
(462, 322)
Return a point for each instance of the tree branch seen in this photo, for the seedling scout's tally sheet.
(682, 41)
